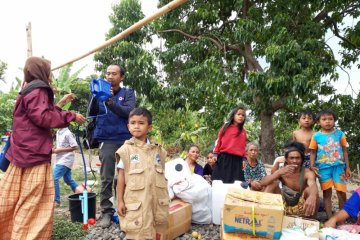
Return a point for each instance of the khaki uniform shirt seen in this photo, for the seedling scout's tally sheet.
(146, 196)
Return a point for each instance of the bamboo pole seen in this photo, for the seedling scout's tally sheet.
(29, 40)
(165, 9)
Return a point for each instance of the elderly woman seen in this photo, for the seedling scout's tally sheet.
(254, 170)
(191, 158)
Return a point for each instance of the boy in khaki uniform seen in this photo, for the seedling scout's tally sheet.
(142, 195)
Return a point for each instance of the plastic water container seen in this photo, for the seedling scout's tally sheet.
(219, 191)
(100, 88)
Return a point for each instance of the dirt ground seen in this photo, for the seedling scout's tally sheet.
(92, 160)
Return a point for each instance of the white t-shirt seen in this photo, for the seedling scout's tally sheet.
(65, 138)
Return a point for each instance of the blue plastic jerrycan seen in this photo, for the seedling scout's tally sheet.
(100, 88)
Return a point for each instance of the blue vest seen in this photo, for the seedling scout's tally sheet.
(111, 128)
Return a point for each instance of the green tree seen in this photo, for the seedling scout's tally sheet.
(130, 52)
(7, 101)
(3, 67)
(271, 54)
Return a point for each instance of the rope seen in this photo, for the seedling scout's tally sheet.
(253, 219)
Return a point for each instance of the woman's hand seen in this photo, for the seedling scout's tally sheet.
(80, 119)
(256, 185)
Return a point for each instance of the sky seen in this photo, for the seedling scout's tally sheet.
(63, 30)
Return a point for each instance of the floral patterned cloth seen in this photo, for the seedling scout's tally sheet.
(255, 173)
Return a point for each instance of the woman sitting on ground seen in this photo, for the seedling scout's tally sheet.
(193, 155)
(254, 170)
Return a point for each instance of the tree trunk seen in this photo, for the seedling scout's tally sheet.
(267, 137)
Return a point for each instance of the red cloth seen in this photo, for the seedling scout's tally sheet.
(34, 116)
(230, 142)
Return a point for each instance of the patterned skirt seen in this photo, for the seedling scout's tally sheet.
(27, 202)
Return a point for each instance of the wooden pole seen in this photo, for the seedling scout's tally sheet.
(167, 8)
(29, 40)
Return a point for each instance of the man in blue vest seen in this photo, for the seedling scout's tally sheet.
(112, 131)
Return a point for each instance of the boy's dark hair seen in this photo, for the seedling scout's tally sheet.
(306, 112)
(141, 112)
(295, 146)
(326, 112)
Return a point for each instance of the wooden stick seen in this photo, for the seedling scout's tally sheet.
(167, 8)
(29, 40)
(358, 169)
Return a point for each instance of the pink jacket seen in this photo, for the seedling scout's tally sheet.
(33, 117)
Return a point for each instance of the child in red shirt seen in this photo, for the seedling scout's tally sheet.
(230, 148)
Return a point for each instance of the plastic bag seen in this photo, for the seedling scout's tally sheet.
(332, 234)
(191, 188)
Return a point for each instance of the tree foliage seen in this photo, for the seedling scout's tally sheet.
(7, 102)
(130, 52)
(271, 54)
(3, 67)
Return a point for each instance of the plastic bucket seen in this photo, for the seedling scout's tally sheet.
(75, 207)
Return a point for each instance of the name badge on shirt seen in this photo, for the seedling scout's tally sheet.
(134, 158)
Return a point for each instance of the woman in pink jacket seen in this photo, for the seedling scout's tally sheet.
(27, 189)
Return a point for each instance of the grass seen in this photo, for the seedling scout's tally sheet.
(63, 227)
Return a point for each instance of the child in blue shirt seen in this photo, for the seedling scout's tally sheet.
(329, 159)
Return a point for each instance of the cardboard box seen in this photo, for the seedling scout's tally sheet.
(245, 211)
(289, 222)
(179, 221)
